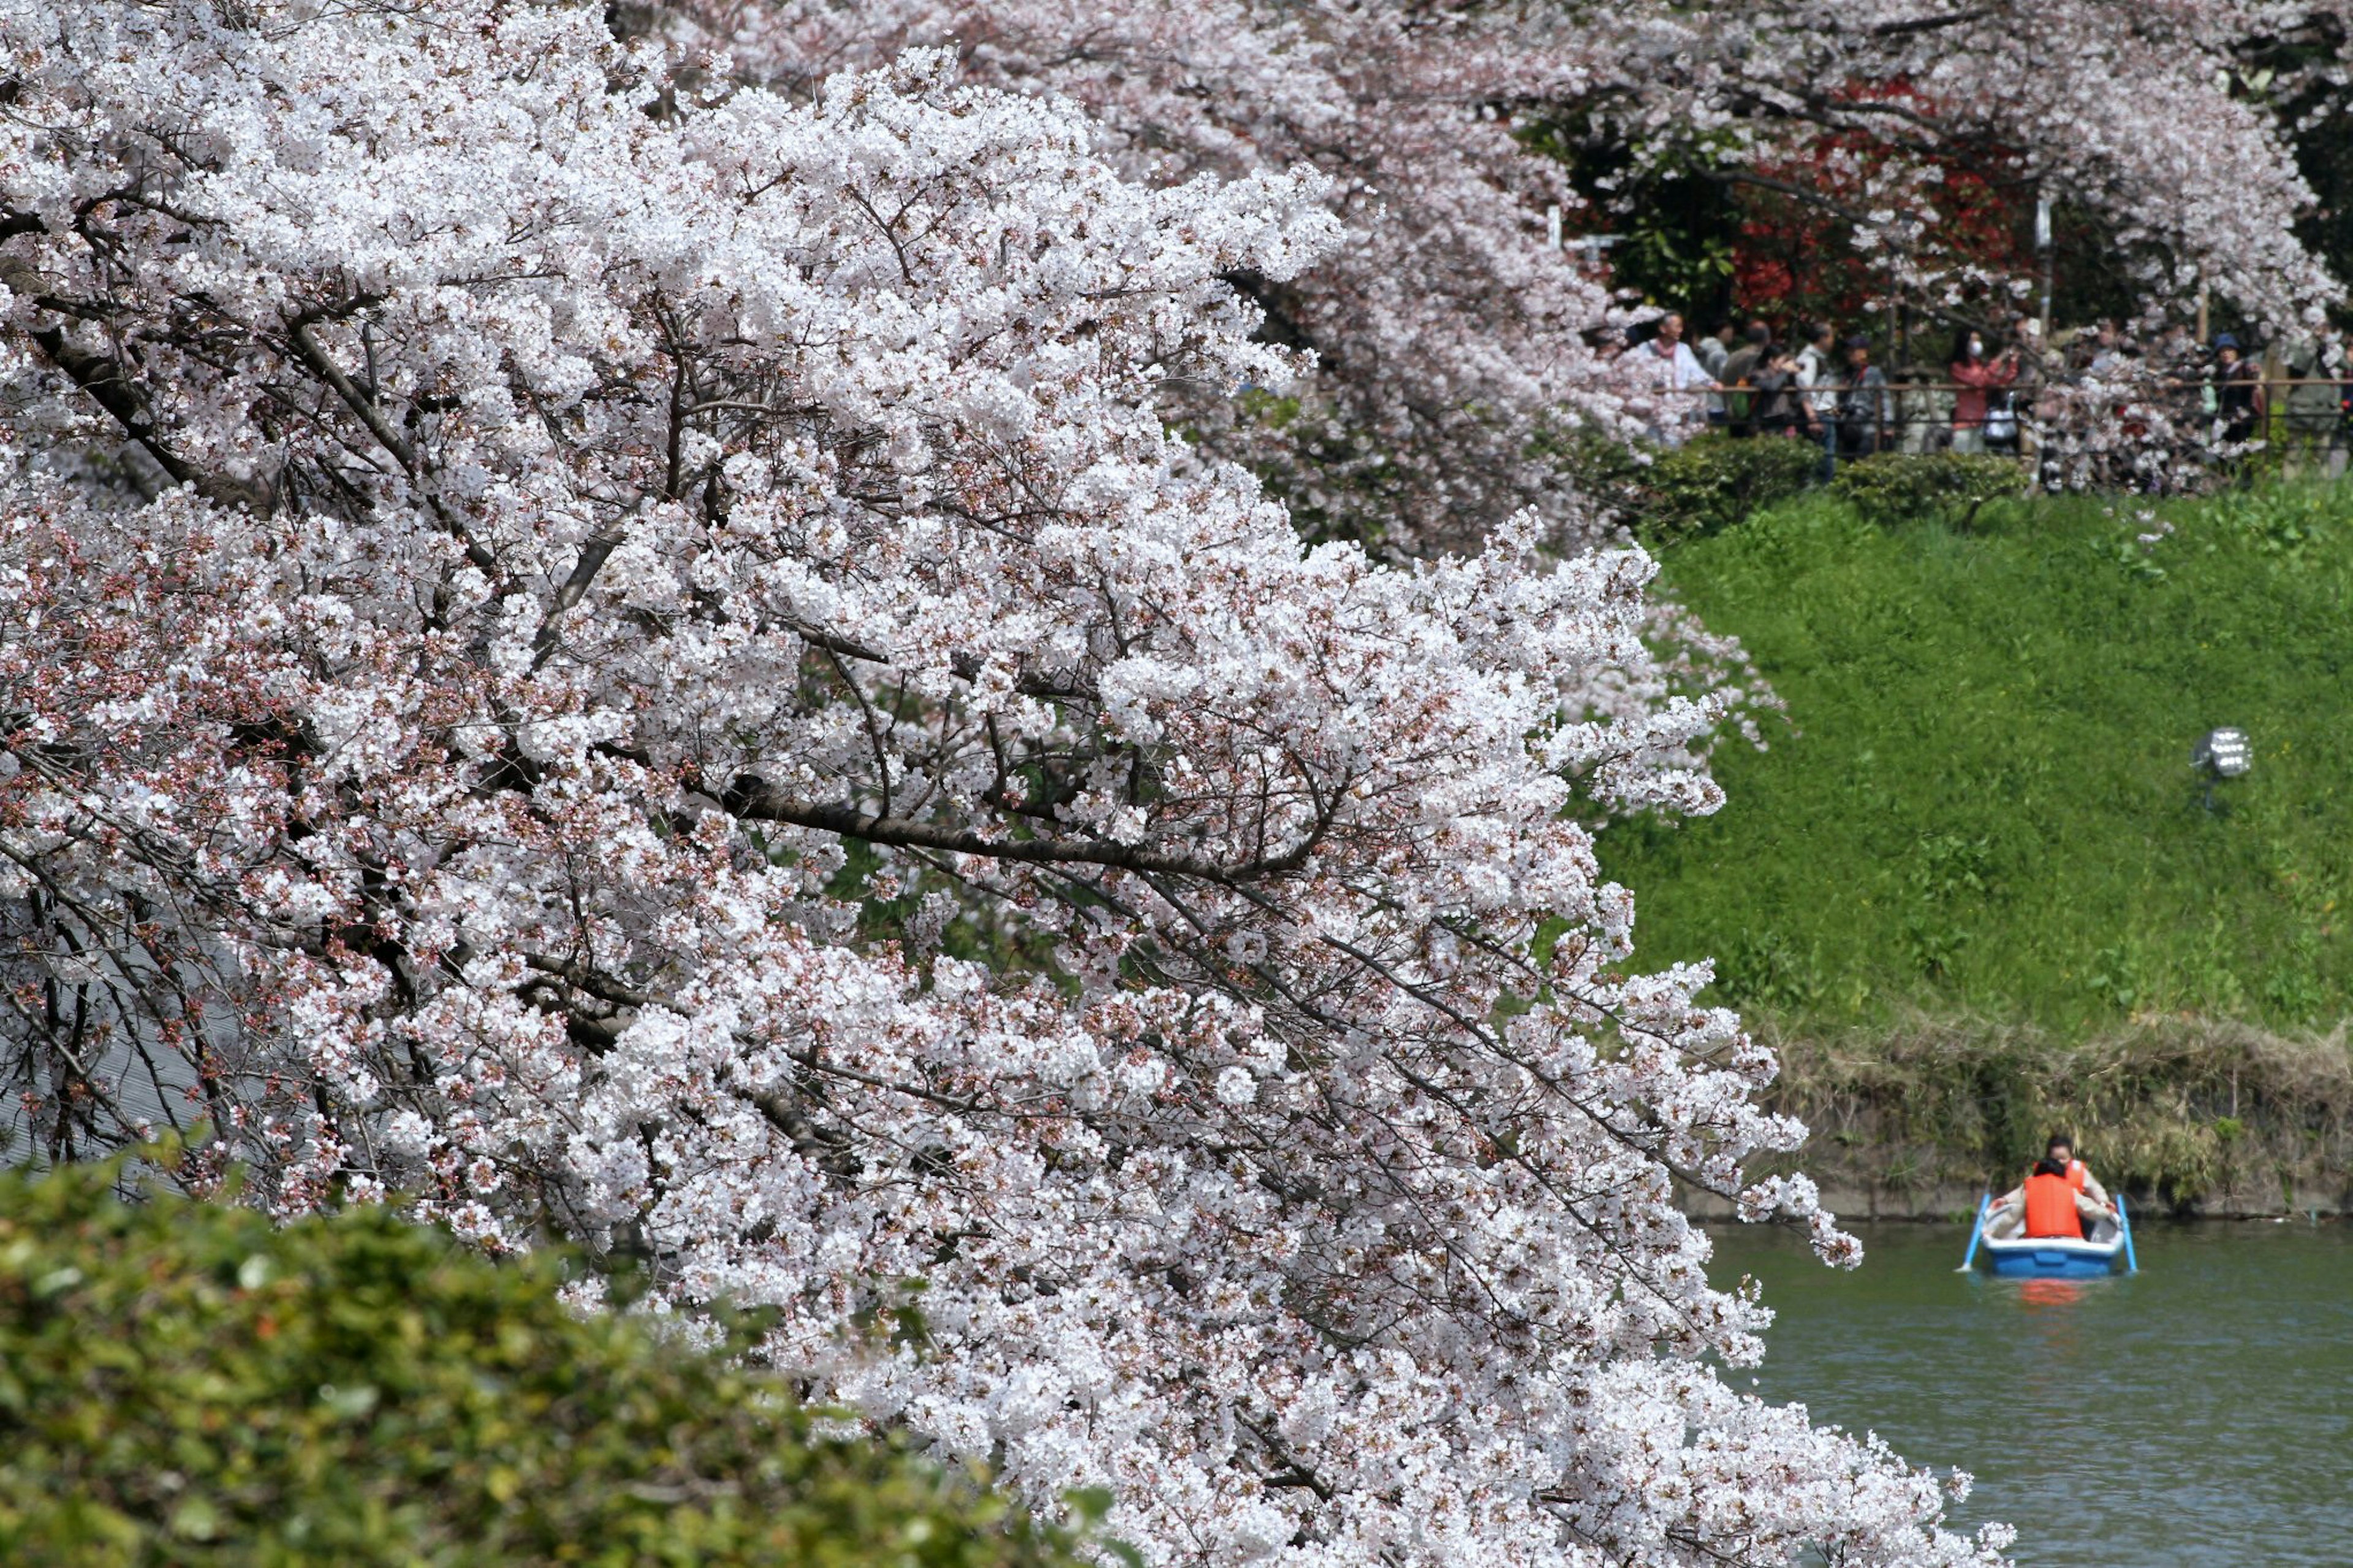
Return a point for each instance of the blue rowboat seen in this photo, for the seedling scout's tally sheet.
(2108, 1247)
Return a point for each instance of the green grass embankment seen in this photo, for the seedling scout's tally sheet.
(1979, 824)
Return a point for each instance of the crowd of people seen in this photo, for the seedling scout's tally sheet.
(1991, 392)
(1747, 383)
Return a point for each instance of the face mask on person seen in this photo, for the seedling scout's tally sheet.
(1976, 348)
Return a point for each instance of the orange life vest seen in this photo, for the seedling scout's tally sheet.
(2077, 1174)
(2050, 1208)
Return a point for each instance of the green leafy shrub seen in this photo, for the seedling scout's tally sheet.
(1671, 493)
(1950, 486)
(184, 1383)
(1764, 969)
(1600, 468)
(1714, 481)
(2285, 519)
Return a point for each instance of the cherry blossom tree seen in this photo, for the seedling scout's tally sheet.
(609, 654)
(1447, 337)
(2132, 113)
(1449, 342)
(2140, 120)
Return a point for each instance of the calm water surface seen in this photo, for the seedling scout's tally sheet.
(2200, 1412)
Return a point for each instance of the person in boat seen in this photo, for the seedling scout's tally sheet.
(2079, 1176)
(2050, 1204)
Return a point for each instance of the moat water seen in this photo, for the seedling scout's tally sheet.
(2200, 1412)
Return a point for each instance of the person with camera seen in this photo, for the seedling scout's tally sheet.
(1738, 378)
(1978, 379)
(1866, 403)
(1781, 404)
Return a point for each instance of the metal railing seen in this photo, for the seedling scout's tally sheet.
(2021, 419)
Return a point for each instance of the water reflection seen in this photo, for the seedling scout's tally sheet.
(2057, 1357)
(2050, 1292)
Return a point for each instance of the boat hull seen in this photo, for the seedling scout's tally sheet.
(2049, 1258)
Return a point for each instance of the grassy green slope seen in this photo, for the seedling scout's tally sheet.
(1986, 803)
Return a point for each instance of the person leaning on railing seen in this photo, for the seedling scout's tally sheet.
(2239, 401)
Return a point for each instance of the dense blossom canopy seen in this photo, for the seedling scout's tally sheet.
(1445, 334)
(624, 652)
(2134, 113)
(1448, 339)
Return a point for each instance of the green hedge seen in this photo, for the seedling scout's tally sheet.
(183, 1384)
(1950, 488)
(1672, 493)
(1712, 481)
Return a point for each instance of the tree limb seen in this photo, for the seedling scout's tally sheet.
(752, 799)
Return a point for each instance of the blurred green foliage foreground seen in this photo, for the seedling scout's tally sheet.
(182, 1383)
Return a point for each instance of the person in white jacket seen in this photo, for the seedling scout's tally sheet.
(1817, 367)
(1668, 368)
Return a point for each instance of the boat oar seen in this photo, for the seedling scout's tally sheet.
(2131, 1264)
(1977, 1230)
